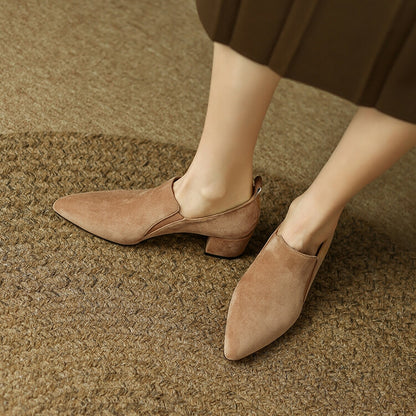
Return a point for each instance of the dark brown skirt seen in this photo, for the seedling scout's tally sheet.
(361, 50)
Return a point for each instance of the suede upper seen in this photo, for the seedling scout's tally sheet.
(120, 216)
(131, 216)
(269, 297)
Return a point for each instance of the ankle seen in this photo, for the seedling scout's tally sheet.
(206, 197)
(309, 223)
(204, 189)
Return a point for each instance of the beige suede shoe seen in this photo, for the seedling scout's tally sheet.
(269, 297)
(131, 216)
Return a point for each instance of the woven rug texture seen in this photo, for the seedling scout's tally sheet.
(112, 94)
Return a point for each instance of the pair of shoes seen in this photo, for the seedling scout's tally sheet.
(131, 216)
(269, 297)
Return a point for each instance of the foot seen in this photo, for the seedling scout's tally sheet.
(308, 224)
(199, 200)
(269, 297)
(131, 216)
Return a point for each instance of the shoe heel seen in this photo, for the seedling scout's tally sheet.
(226, 247)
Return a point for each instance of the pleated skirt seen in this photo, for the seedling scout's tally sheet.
(361, 50)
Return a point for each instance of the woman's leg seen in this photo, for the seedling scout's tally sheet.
(372, 143)
(220, 175)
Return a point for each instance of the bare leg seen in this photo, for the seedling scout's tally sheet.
(372, 143)
(220, 175)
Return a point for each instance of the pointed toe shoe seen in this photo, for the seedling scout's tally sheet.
(131, 216)
(269, 297)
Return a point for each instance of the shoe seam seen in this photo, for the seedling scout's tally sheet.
(206, 235)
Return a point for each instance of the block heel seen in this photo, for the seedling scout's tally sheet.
(226, 247)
